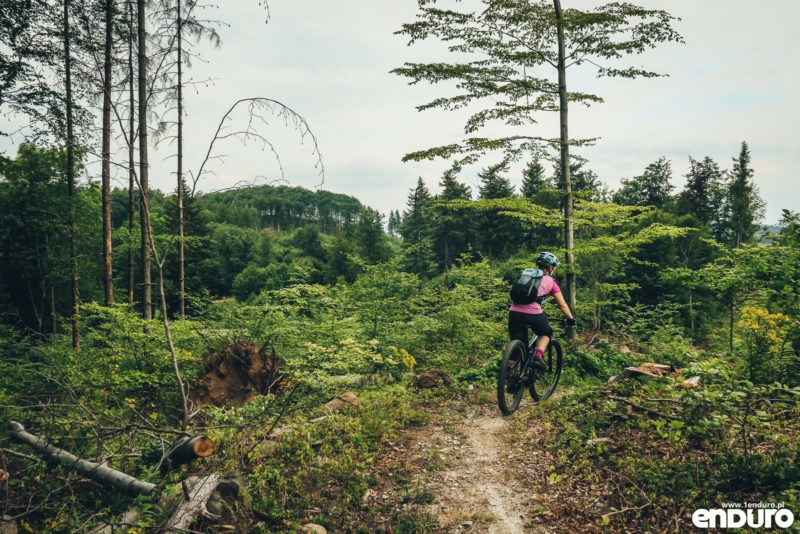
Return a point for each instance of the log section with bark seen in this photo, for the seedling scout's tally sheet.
(187, 448)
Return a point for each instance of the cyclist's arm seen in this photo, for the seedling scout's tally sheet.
(562, 304)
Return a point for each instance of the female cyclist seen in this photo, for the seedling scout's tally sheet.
(524, 316)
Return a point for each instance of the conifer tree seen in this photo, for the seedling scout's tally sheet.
(76, 336)
(147, 290)
(585, 182)
(416, 230)
(452, 230)
(744, 203)
(704, 195)
(31, 40)
(533, 181)
(495, 233)
(415, 226)
(540, 190)
(108, 273)
(393, 224)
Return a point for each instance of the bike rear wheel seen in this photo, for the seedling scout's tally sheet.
(545, 380)
(510, 386)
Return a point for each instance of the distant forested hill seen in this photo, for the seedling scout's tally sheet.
(281, 208)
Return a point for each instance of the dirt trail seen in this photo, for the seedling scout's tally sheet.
(469, 470)
(482, 488)
(493, 480)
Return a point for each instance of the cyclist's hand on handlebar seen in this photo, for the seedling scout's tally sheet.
(572, 322)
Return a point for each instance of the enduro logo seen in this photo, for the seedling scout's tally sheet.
(753, 515)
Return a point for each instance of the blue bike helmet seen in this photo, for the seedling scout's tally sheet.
(546, 259)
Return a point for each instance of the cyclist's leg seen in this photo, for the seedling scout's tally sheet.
(542, 343)
(541, 325)
(517, 329)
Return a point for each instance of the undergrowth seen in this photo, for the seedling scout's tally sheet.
(650, 460)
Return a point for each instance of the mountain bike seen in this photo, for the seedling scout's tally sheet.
(512, 383)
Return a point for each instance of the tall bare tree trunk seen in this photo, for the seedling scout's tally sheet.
(732, 307)
(147, 298)
(181, 264)
(446, 264)
(76, 331)
(108, 280)
(53, 315)
(568, 222)
(131, 135)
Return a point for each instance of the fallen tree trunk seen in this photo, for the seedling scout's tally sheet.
(98, 472)
(198, 493)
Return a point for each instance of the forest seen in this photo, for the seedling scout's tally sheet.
(274, 358)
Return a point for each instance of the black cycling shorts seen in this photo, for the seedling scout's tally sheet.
(518, 324)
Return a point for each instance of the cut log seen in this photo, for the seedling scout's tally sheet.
(199, 491)
(653, 370)
(693, 382)
(98, 472)
(187, 448)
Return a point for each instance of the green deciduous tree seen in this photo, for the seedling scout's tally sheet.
(28, 49)
(35, 248)
(370, 238)
(509, 60)
(651, 188)
(339, 264)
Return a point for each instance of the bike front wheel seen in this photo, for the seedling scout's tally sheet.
(545, 380)
(510, 386)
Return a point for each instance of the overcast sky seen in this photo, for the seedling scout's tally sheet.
(734, 80)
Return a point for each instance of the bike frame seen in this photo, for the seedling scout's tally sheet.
(532, 346)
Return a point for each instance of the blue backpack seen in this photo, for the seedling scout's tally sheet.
(525, 290)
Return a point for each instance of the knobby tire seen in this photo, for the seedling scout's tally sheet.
(545, 380)
(508, 401)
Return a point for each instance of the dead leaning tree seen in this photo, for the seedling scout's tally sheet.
(184, 449)
(99, 472)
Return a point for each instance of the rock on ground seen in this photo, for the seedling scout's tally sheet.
(433, 378)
